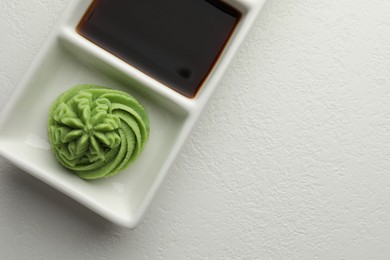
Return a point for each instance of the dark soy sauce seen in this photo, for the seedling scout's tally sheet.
(176, 42)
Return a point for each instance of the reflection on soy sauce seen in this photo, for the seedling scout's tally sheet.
(177, 42)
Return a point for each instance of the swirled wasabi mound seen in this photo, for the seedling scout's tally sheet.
(96, 132)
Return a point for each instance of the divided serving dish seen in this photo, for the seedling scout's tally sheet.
(67, 59)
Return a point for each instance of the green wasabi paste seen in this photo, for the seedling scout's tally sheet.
(96, 132)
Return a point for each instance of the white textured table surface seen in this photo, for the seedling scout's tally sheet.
(291, 159)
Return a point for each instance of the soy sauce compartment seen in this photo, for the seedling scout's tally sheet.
(176, 42)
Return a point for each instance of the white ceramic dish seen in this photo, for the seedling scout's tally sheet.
(67, 59)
